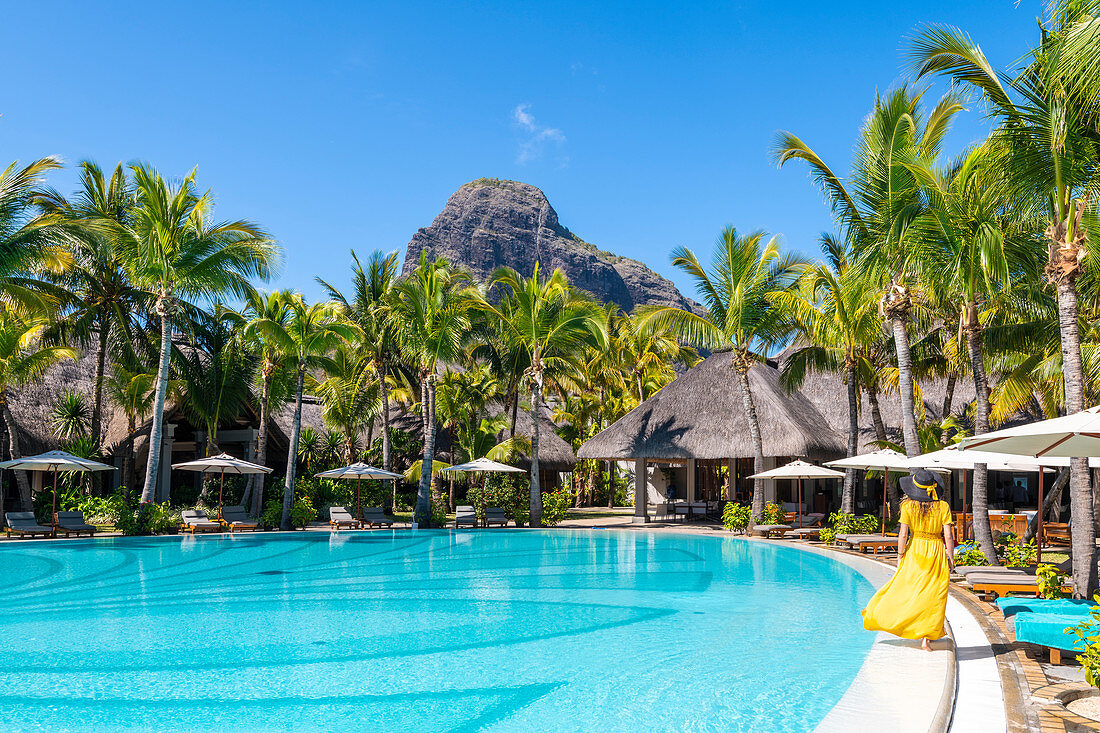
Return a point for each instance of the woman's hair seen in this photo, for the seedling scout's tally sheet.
(923, 507)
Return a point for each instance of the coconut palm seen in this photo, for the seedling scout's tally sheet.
(739, 294)
(1047, 152)
(102, 304)
(553, 325)
(835, 314)
(877, 209)
(28, 239)
(132, 392)
(308, 335)
(431, 314)
(370, 308)
(23, 358)
(649, 352)
(172, 249)
(349, 397)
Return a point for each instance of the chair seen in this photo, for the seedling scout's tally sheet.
(465, 515)
(235, 517)
(698, 510)
(24, 524)
(373, 516)
(874, 542)
(339, 517)
(72, 523)
(195, 520)
(1057, 533)
(770, 530)
(1000, 584)
(804, 533)
(1049, 630)
(495, 515)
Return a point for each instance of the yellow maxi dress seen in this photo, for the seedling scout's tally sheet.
(913, 603)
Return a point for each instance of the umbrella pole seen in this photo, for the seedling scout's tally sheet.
(358, 501)
(885, 483)
(800, 502)
(54, 517)
(1039, 527)
(221, 492)
(965, 527)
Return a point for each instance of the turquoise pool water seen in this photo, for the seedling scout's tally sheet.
(426, 631)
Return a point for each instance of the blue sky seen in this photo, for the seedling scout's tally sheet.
(342, 125)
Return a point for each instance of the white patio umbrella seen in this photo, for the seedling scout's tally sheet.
(482, 465)
(56, 461)
(883, 459)
(222, 463)
(799, 470)
(358, 471)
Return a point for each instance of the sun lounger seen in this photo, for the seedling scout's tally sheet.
(495, 515)
(195, 520)
(465, 515)
(770, 530)
(874, 542)
(1012, 605)
(1049, 630)
(24, 524)
(72, 523)
(968, 570)
(373, 516)
(804, 533)
(236, 518)
(999, 584)
(339, 517)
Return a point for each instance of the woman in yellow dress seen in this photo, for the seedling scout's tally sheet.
(912, 605)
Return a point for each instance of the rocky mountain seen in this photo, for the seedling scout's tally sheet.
(488, 223)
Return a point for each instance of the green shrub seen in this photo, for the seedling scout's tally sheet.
(555, 505)
(1088, 631)
(1050, 581)
(510, 492)
(272, 514)
(853, 524)
(1017, 556)
(968, 553)
(827, 535)
(301, 512)
(149, 518)
(773, 514)
(735, 517)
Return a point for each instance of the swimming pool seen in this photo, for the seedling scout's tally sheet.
(505, 630)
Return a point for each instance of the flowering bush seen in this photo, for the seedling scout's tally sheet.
(735, 517)
(773, 514)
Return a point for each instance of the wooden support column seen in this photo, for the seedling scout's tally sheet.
(731, 485)
(691, 479)
(641, 492)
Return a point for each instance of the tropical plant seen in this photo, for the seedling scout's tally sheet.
(552, 325)
(349, 397)
(739, 293)
(1047, 152)
(132, 392)
(431, 312)
(735, 517)
(28, 239)
(70, 416)
(173, 249)
(306, 338)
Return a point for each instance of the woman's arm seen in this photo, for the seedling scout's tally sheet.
(949, 544)
(903, 537)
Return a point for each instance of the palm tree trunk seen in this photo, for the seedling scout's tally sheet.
(25, 499)
(515, 413)
(292, 451)
(386, 428)
(641, 388)
(1053, 498)
(97, 399)
(905, 387)
(1083, 545)
(536, 491)
(848, 492)
(423, 494)
(949, 395)
(876, 415)
(983, 532)
(757, 443)
(152, 468)
(130, 459)
(261, 445)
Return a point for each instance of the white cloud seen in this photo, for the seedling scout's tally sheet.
(536, 138)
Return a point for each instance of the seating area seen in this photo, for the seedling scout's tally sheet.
(235, 519)
(72, 523)
(24, 524)
(195, 520)
(466, 516)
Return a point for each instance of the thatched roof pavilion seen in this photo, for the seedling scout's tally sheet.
(700, 416)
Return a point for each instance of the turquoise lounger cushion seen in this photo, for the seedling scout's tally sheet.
(1065, 606)
(1048, 629)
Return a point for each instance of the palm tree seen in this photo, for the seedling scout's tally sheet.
(274, 385)
(102, 303)
(349, 397)
(836, 316)
(370, 308)
(739, 294)
(1047, 152)
(648, 353)
(877, 214)
(308, 335)
(23, 359)
(553, 325)
(431, 312)
(132, 392)
(173, 250)
(28, 240)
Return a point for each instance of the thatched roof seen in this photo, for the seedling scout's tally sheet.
(700, 415)
(554, 453)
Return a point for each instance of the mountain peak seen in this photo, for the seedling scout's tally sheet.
(491, 222)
